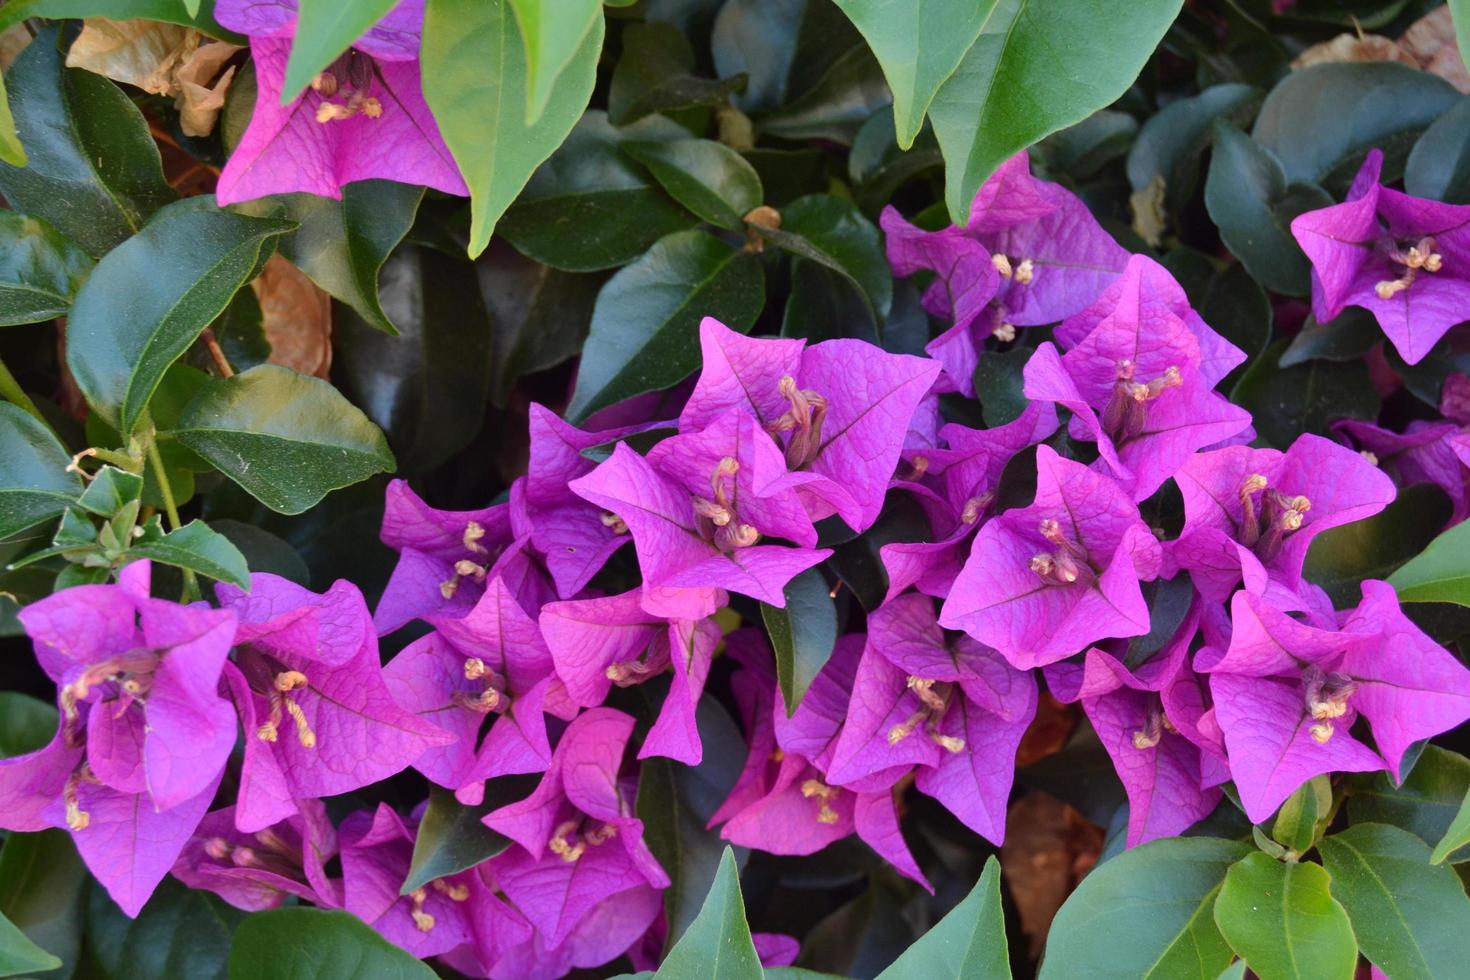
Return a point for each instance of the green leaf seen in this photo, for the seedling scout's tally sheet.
(11, 151)
(998, 383)
(41, 888)
(40, 270)
(645, 326)
(717, 944)
(264, 551)
(706, 177)
(194, 546)
(1302, 818)
(94, 171)
(451, 837)
(18, 955)
(919, 45)
(1341, 557)
(969, 942)
(1249, 198)
(1281, 918)
(803, 634)
(111, 489)
(475, 72)
(317, 944)
(1440, 573)
(185, 12)
(1348, 337)
(656, 74)
(1151, 909)
(26, 724)
(1172, 140)
(1426, 805)
(758, 38)
(589, 207)
(342, 245)
(1456, 837)
(834, 233)
(835, 108)
(1303, 398)
(1411, 918)
(877, 167)
(152, 296)
(324, 30)
(1439, 164)
(179, 933)
(1321, 120)
(553, 31)
(286, 438)
(1035, 68)
(1081, 150)
(34, 483)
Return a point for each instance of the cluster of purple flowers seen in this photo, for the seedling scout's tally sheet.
(1261, 683)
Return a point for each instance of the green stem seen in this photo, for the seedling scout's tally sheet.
(170, 507)
(11, 391)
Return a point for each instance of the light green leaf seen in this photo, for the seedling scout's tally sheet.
(1036, 67)
(474, 71)
(1460, 13)
(151, 297)
(286, 438)
(706, 177)
(317, 944)
(1151, 909)
(185, 12)
(195, 546)
(1281, 918)
(1410, 917)
(34, 483)
(11, 151)
(645, 326)
(325, 29)
(968, 943)
(451, 836)
(919, 43)
(803, 634)
(553, 31)
(717, 945)
(40, 270)
(1440, 573)
(1304, 815)
(18, 955)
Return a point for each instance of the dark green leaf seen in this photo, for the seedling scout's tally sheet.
(789, 174)
(94, 171)
(1249, 198)
(34, 483)
(998, 384)
(317, 944)
(26, 725)
(706, 177)
(286, 438)
(263, 551)
(1239, 309)
(1425, 805)
(823, 305)
(40, 269)
(656, 74)
(325, 29)
(194, 546)
(185, 12)
(1341, 557)
(451, 837)
(1034, 69)
(1282, 920)
(589, 207)
(1349, 337)
(645, 325)
(41, 886)
(553, 31)
(1439, 164)
(18, 955)
(758, 38)
(152, 296)
(877, 167)
(1082, 149)
(1172, 140)
(803, 634)
(862, 936)
(858, 563)
(717, 944)
(1440, 573)
(833, 233)
(179, 933)
(475, 75)
(1308, 397)
(969, 942)
(850, 91)
(1151, 909)
(1410, 917)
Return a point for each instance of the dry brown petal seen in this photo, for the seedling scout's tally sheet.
(1148, 211)
(1354, 47)
(200, 94)
(143, 53)
(1048, 848)
(1430, 41)
(297, 318)
(1049, 730)
(12, 43)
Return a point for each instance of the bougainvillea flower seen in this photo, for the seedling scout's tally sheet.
(612, 928)
(1133, 380)
(377, 850)
(579, 846)
(841, 409)
(1031, 253)
(319, 718)
(444, 556)
(1163, 771)
(489, 663)
(612, 640)
(947, 705)
(957, 485)
(260, 870)
(363, 117)
(1265, 507)
(1423, 453)
(695, 543)
(1404, 259)
(1046, 581)
(1287, 692)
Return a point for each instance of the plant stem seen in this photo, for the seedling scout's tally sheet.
(170, 507)
(11, 391)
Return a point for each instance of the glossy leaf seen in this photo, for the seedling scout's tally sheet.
(835, 108)
(878, 167)
(833, 233)
(324, 30)
(553, 31)
(1439, 164)
(717, 944)
(1456, 837)
(708, 178)
(645, 326)
(657, 74)
(970, 941)
(1375, 547)
(194, 546)
(42, 884)
(803, 634)
(1302, 818)
(1411, 918)
(317, 944)
(93, 171)
(1348, 337)
(152, 296)
(451, 838)
(1034, 69)
(1427, 803)
(1281, 918)
(18, 955)
(188, 13)
(179, 933)
(40, 270)
(758, 38)
(34, 483)
(1286, 402)
(1151, 908)
(474, 72)
(1440, 573)
(286, 438)
(1172, 140)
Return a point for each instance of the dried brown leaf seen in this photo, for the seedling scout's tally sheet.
(1430, 41)
(1049, 846)
(297, 318)
(1354, 47)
